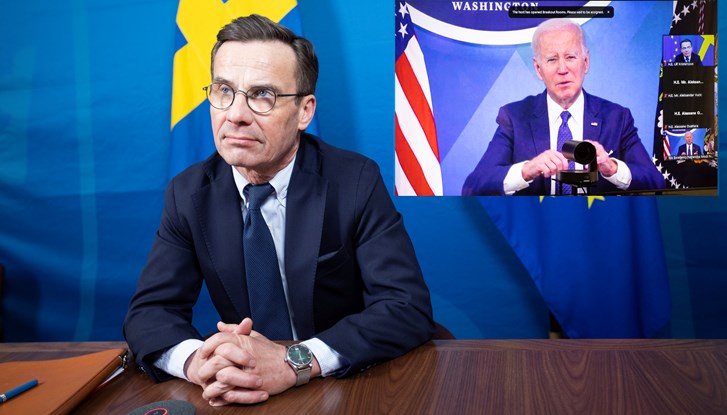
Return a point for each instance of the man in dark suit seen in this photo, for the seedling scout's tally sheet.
(687, 56)
(688, 148)
(525, 151)
(351, 285)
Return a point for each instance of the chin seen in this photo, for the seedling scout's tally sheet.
(569, 98)
(235, 158)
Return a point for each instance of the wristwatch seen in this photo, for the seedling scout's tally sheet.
(300, 358)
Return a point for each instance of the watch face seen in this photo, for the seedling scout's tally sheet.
(299, 355)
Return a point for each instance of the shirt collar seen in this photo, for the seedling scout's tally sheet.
(280, 182)
(576, 110)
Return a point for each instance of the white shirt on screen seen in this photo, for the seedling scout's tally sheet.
(514, 179)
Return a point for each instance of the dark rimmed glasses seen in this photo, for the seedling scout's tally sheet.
(260, 100)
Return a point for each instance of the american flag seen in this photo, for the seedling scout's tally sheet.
(667, 147)
(418, 172)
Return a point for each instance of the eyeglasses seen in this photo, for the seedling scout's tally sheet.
(260, 100)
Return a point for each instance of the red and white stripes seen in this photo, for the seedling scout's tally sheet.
(418, 170)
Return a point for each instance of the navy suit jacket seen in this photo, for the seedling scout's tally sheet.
(695, 59)
(353, 277)
(523, 133)
(696, 151)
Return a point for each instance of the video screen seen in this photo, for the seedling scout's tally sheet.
(626, 107)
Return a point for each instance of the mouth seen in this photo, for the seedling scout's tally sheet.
(239, 139)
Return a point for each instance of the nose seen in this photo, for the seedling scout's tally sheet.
(240, 112)
(562, 67)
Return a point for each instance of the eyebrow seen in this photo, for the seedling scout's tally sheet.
(220, 80)
(254, 86)
(566, 54)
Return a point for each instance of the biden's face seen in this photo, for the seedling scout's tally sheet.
(562, 64)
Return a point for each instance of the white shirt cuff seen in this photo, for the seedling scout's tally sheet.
(172, 361)
(622, 178)
(514, 179)
(328, 359)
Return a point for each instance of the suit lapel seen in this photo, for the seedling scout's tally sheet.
(305, 209)
(540, 135)
(539, 126)
(218, 208)
(591, 119)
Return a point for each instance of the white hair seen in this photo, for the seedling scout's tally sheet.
(553, 25)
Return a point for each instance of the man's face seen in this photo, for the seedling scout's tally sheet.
(562, 65)
(687, 49)
(259, 145)
(689, 137)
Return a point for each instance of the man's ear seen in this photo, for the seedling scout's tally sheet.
(537, 69)
(306, 112)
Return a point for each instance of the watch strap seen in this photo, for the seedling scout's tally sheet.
(303, 375)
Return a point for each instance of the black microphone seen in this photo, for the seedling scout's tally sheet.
(581, 152)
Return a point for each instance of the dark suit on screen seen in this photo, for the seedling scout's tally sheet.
(353, 278)
(523, 133)
(695, 59)
(695, 150)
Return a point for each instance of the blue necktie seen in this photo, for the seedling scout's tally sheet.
(564, 135)
(264, 285)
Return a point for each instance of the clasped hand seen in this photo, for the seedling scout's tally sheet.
(239, 365)
(550, 162)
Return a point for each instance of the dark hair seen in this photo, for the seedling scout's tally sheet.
(685, 40)
(260, 28)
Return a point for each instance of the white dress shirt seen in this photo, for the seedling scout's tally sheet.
(514, 179)
(273, 211)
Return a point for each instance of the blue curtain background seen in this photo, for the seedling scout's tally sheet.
(84, 158)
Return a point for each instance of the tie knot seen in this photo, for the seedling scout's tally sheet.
(256, 194)
(565, 115)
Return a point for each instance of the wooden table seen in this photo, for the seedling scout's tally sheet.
(464, 377)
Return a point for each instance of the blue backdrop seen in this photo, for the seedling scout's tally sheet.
(84, 157)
